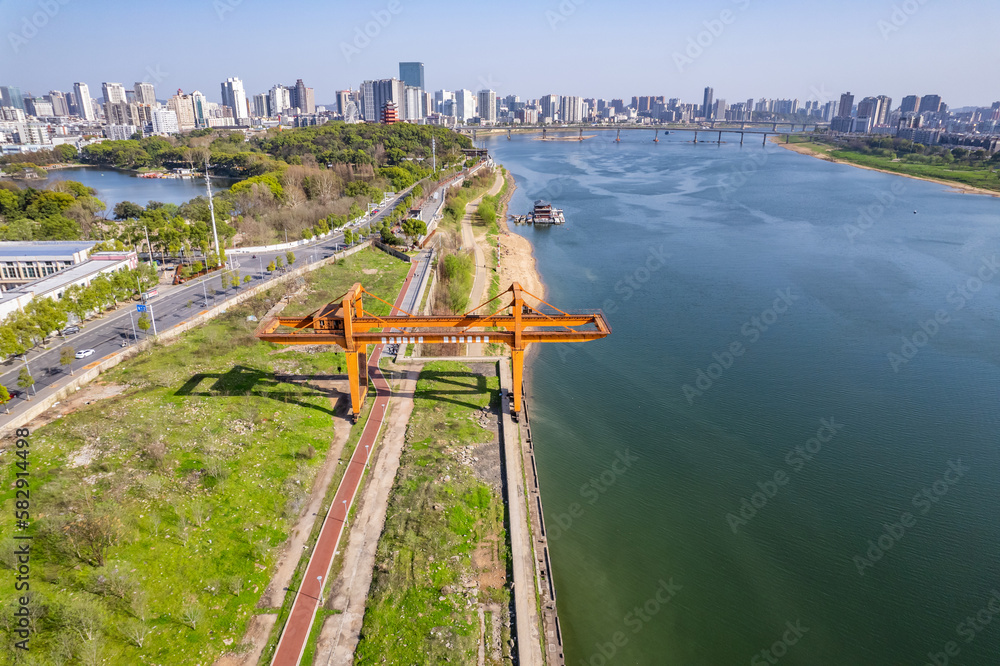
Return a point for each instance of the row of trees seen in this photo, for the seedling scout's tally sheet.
(25, 329)
(911, 151)
(65, 211)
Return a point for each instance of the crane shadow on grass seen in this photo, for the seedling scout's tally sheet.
(446, 386)
(241, 381)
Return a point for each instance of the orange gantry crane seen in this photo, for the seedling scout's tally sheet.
(346, 323)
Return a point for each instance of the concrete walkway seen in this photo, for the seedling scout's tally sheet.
(529, 650)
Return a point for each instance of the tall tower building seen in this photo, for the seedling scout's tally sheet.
(343, 97)
(910, 104)
(85, 106)
(113, 93)
(11, 96)
(145, 93)
(706, 105)
(465, 105)
(376, 94)
(181, 105)
(60, 106)
(235, 97)
(930, 104)
(549, 108)
(199, 104)
(846, 105)
(412, 74)
(487, 105)
(885, 107)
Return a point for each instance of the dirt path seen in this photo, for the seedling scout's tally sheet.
(340, 633)
(469, 242)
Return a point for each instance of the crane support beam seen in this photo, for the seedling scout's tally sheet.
(515, 324)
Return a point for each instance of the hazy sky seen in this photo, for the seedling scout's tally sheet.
(803, 49)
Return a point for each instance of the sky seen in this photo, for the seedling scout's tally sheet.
(802, 49)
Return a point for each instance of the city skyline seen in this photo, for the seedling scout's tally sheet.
(676, 53)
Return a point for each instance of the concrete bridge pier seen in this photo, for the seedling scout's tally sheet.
(720, 138)
(741, 138)
(765, 140)
(696, 137)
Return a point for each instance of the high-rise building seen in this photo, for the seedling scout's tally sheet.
(60, 107)
(260, 106)
(301, 97)
(412, 74)
(549, 108)
(885, 108)
(440, 98)
(235, 97)
(343, 98)
(910, 104)
(719, 109)
(199, 103)
(164, 121)
(85, 108)
(706, 106)
(846, 106)
(182, 105)
(487, 101)
(280, 99)
(465, 105)
(113, 93)
(375, 95)
(413, 104)
(571, 109)
(930, 104)
(145, 93)
(11, 96)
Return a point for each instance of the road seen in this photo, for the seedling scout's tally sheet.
(174, 305)
(310, 594)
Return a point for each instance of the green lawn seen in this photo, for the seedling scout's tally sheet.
(418, 612)
(158, 513)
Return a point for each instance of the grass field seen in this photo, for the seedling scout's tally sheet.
(158, 512)
(441, 522)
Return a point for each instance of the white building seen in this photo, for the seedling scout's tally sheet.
(119, 132)
(145, 93)
(165, 121)
(83, 101)
(465, 105)
(200, 105)
(413, 104)
(235, 97)
(280, 99)
(487, 100)
(571, 109)
(113, 93)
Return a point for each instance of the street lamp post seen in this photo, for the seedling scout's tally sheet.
(135, 336)
(35, 392)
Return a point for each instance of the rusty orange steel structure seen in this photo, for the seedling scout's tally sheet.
(346, 323)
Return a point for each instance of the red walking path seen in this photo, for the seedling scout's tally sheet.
(309, 597)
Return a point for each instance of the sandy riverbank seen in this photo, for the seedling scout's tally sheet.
(960, 188)
(517, 258)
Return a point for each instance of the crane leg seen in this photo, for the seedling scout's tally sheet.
(357, 376)
(517, 356)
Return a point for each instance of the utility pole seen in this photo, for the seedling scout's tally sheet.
(149, 248)
(433, 155)
(135, 336)
(211, 209)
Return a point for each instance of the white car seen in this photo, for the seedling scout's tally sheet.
(84, 353)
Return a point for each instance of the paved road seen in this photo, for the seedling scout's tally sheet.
(310, 594)
(173, 305)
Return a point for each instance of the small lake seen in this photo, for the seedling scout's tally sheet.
(116, 186)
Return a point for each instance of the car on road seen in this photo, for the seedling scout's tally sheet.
(70, 330)
(84, 353)
(14, 393)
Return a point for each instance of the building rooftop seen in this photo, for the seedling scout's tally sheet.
(41, 250)
(64, 277)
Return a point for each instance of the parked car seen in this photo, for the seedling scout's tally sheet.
(70, 330)
(84, 353)
(14, 393)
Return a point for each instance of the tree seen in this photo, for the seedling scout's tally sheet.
(348, 237)
(279, 262)
(4, 397)
(25, 381)
(246, 279)
(127, 210)
(414, 228)
(144, 323)
(290, 256)
(271, 267)
(66, 357)
(224, 282)
(197, 267)
(236, 281)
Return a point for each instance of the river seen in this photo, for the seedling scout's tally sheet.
(787, 450)
(116, 186)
